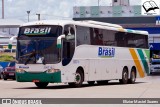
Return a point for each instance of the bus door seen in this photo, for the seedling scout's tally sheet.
(68, 45)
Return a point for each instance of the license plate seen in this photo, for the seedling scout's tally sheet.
(156, 70)
(11, 74)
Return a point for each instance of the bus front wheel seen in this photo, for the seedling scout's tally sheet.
(132, 76)
(78, 79)
(41, 84)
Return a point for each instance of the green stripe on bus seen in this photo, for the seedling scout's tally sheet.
(147, 52)
(144, 61)
(42, 77)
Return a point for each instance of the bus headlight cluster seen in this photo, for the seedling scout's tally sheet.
(20, 70)
(52, 70)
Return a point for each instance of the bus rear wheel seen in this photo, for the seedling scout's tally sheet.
(41, 84)
(124, 79)
(132, 76)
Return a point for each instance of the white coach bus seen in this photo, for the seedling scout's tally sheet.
(73, 52)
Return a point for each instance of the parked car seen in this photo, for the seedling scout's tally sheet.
(1, 69)
(1, 50)
(9, 71)
(155, 66)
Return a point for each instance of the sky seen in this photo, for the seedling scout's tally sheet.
(49, 9)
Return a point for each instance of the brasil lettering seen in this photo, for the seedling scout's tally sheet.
(106, 52)
(24, 67)
(30, 31)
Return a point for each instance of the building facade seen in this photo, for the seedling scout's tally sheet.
(121, 12)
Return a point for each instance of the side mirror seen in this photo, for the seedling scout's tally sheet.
(11, 42)
(59, 41)
(70, 37)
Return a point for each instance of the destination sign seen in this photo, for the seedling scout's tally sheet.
(37, 31)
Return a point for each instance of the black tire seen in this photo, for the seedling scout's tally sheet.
(41, 84)
(78, 79)
(91, 82)
(132, 76)
(104, 82)
(124, 79)
(5, 78)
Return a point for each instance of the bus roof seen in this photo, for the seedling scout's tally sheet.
(86, 23)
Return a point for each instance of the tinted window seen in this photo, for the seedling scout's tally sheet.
(120, 38)
(11, 64)
(136, 40)
(109, 38)
(83, 35)
(96, 36)
(38, 51)
(103, 37)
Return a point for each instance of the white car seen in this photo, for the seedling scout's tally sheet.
(155, 66)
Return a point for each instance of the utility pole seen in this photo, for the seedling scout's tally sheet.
(39, 16)
(2, 9)
(28, 12)
(98, 3)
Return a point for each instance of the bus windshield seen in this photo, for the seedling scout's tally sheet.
(38, 50)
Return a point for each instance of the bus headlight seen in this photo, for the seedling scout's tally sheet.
(52, 70)
(20, 70)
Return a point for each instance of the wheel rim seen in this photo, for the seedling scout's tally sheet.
(125, 76)
(77, 78)
(133, 76)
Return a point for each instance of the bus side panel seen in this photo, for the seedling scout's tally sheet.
(69, 70)
(100, 67)
(97, 67)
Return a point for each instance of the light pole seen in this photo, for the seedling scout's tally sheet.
(2, 9)
(98, 3)
(39, 16)
(28, 12)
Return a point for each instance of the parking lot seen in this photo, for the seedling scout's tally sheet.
(147, 87)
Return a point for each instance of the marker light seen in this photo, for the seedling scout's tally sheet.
(20, 70)
(52, 70)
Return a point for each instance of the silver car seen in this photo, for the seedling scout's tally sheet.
(155, 66)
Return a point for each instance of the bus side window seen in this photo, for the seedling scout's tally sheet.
(98, 37)
(83, 35)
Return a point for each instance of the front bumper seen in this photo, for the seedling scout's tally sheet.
(7, 76)
(155, 70)
(40, 77)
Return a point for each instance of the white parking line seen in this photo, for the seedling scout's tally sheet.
(6, 81)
